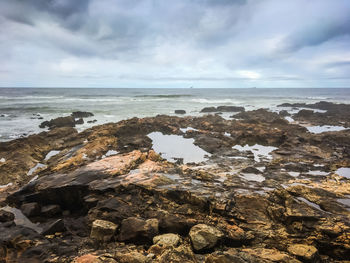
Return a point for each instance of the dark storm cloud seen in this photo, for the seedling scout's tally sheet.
(182, 40)
(316, 34)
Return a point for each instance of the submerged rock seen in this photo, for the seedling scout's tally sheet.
(223, 109)
(180, 112)
(81, 114)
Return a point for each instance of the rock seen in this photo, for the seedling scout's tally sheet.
(167, 240)
(137, 229)
(54, 227)
(89, 258)
(180, 111)
(68, 121)
(81, 114)
(131, 257)
(50, 210)
(92, 121)
(103, 230)
(6, 216)
(80, 121)
(284, 113)
(30, 209)
(304, 252)
(304, 114)
(204, 237)
(223, 109)
(179, 254)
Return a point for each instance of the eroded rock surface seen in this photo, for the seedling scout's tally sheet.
(107, 196)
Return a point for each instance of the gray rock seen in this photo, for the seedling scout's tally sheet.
(204, 237)
(167, 240)
(30, 209)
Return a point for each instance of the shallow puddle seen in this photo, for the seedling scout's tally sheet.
(326, 128)
(2, 160)
(294, 174)
(184, 130)
(344, 171)
(316, 206)
(173, 147)
(259, 151)
(320, 173)
(289, 119)
(36, 167)
(253, 177)
(5, 185)
(51, 154)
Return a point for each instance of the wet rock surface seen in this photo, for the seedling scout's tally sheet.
(105, 195)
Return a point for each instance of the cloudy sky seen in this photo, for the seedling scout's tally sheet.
(182, 43)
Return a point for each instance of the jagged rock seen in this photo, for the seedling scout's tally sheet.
(167, 240)
(54, 227)
(103, 230)
(304, 252)
(81, 114)
(131, 257)
(79, 121)
(180, 111)
(223, 109)
(204, 237)
(30, 209)
(68, 121)
(6, 216)
(137, 229)
(179, 254)
(50, 210)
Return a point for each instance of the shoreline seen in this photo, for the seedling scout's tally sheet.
(264, 188)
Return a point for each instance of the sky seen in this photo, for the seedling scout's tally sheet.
(182, 43)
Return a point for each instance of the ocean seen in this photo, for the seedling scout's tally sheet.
(20, 107)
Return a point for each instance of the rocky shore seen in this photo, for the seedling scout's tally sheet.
(265, 189)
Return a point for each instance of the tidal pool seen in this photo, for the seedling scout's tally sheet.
(184, 130)
(174, 147)
(253, 177)
(325, 128)
(51, 154)
(344, 171)
(259, 151)
(36, 167)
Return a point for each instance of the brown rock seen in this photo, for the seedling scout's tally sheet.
(204, 236)
(137, 229)
(103, 230)
(302, 251)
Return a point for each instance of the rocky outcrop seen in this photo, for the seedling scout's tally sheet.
(223, 109)
(106, 196)
(81, 114)
(59, 122)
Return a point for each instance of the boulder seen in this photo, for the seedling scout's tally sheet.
(304, 252)
(180, 111)
(138, 229)
(68, 121)
(50, 210)
(204, 237)
(54, 227)
(103, 230)
(79, 121)
(131, 257)
(284, 113)
(81, 114)
(167, 240)
(6, 216)
(30, 209)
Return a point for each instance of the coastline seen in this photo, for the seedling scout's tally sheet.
(265, 189)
